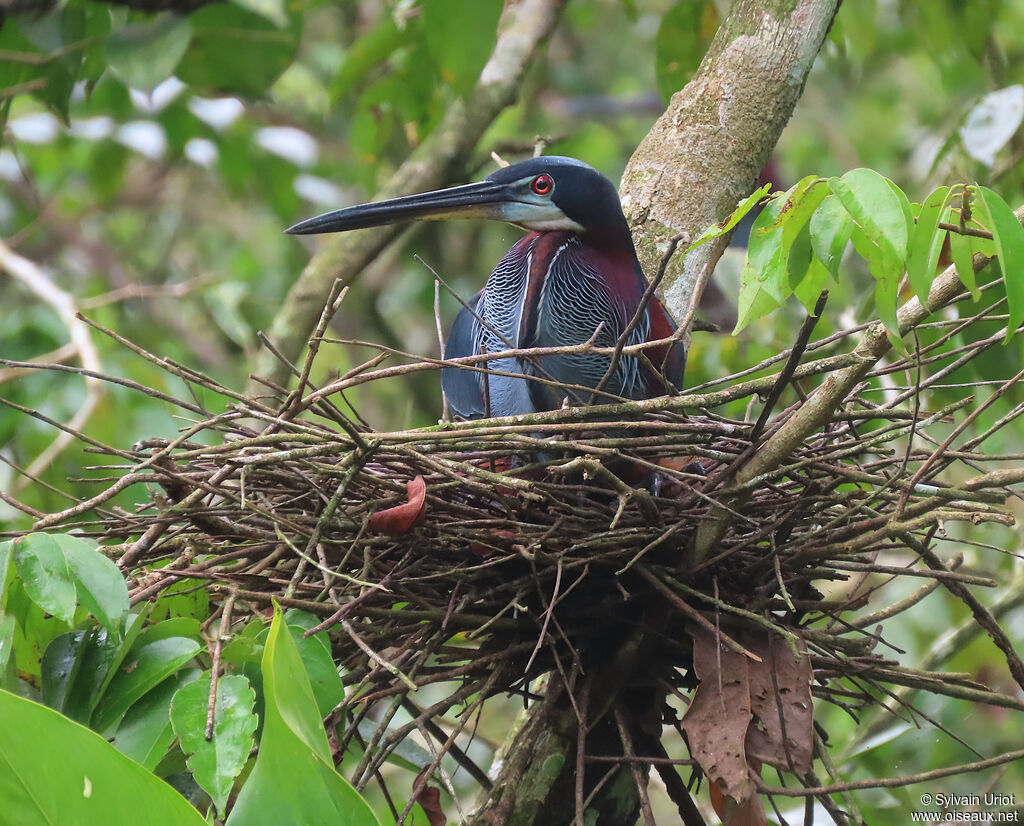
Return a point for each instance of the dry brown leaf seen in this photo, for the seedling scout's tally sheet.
(748, 813)
(717, 720)
(792, 678)
(429, 798)
(400, 519)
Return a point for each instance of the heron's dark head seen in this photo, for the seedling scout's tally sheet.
(553, 192)
(542, 194)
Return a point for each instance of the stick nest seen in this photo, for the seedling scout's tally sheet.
(454, 556)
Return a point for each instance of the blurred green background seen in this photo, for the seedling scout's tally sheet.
(150, 163)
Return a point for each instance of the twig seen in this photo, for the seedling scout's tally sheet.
(222, 634)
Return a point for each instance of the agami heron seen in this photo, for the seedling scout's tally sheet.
(573, 279)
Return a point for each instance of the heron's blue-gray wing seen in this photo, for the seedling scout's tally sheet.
(462, 387)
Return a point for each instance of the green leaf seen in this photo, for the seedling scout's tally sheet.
(100, 586)
(6, 570)
(6, 641)
(315, 651)
(683, 36)
(215, 763)
(926, 242)
(738, 214)
(142, 671)
(963, 259)
(45, 575)
(55, 771)
(881, 213)
(186, 598)
(145, 733)
(294, 780)
(174, 627)
(814, 281)
(886, 301)
(799, 204)
(234, 50)
(145, 54)
(460, 35)
(830, 228)
(799, 259)
(764, 281)
(908, 217)
(882, 218)
(1008, 236)
(100, 654)
(59, 665)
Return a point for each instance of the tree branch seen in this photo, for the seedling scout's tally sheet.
(705, 152)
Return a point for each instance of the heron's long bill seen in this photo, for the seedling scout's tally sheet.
(487, 199)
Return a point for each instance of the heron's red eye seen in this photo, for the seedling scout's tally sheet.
(542, 184)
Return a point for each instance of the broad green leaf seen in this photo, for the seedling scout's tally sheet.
(217, 762)
(460, 35)
(814, 281)
(6, 641)
(738, 214)
(683, 36)
(145, 733)
(6, 570)
(882, 216)
(45, 575)
(187, 598)
(294, 780)
(887, 272)
(886, 301)
(793, 222)
(55, 771)
(174, 627)
(59, 665)
(963, 258)
(799, 258)
(99, 655)
(908, 216)
(799, 203)
(142, 670)
(235, 50)
(830, 228)
(1008, 237)
(764, 281)
(100, 586)
(315, 651)
(144, 54)
(926, 242)
(224, 301)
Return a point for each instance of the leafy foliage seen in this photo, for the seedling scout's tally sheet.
(148, 688)
(877, 216)
(95, 782)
